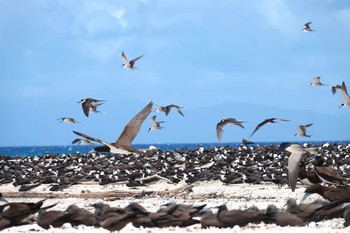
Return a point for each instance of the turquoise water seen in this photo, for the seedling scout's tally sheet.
(70, 149)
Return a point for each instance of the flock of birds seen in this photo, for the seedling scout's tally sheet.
(226, 164)
(171, 214)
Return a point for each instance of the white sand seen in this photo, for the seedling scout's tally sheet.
(211, 193)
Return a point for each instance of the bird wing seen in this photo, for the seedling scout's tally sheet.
(235, 122)
(344, 92)
(153, 121)
(219, 130)
(133, 127)
(260, 124)
(293, 168)
(125, 60)
(307, 25)
(132, 62)
(93, 139)
(86, 109)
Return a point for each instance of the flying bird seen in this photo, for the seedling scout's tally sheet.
(270, 120)
(335, 88)
(307, 27)
(166, 109)
(130, 65)
(93, 108)
(82, 141)
(346, 97)
(301, 130)
(155, 124)
(317, 82)
(89, 103)
(67, 120)
(294, 159)
(123, 144)
(223, 122)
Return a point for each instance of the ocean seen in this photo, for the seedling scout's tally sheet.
(13, 151)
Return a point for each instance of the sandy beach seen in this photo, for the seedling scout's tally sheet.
(211, 193)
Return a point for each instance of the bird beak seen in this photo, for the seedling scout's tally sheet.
(304, 197)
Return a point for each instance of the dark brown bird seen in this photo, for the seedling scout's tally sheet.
(89, 103)
(339, 194)
(246, 142)
(326, 173)
(230, 218)
(77, 216)
(282, 219)
(54, 218)
(123, 144)
(266, 121)
(307, 177)
(130, 65)
(223, 123)
(307, 27)
(14, 212)
(302, 210)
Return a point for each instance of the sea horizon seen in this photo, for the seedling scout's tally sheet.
(13, 151)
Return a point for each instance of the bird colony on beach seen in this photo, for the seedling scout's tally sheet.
(324, 170)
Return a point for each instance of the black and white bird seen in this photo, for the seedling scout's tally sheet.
(307, 27)
(67, 120)
(335, 88)
(155, 124)
(123, 144)
(266, 121)
(346, 97)
(89, 103)
(130, 65)
(301, 130)
(82, 141)
(316, 82)
(166, 109)
(224, 122)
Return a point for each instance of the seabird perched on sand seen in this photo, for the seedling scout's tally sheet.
(346, 97)
(123, 144)
(87, 103)
(316, 81)
(294, 159)
(340, 194)
(301, 130)
(335, 88)
(155, 124)
(266, 121)
(326, 173)
(307, 27)
(130, 65)
(223, 122)
(67, 120)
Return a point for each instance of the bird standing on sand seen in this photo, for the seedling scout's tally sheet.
(67, 120)
(346, 97)
(89, 103)
(266, 121)
(301, 130)
(307, 27)
(130, 65)
(123, 144)
(155, 124)
(223, 122)
(316, 81)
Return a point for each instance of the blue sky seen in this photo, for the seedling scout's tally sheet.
(242, 59)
